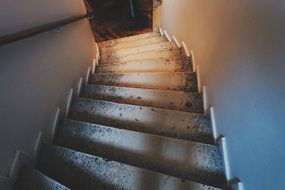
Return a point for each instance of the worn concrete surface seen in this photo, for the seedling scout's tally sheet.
(166, 99)
(129, 39)
(167, 54)
(30, 179)
(163, 122)
(141, 42)
(143, 66)
(81, 171)
(181, 81)
(116, 54)
(185, 159)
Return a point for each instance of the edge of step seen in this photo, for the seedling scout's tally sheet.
(92, 171)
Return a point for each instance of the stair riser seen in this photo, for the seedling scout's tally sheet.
(85, 172)
(183, 159)
(137, 50)
(168, 123)
(117, 46)
(174, 54)
(162, 81)
(189, 102)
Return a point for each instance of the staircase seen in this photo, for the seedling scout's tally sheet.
(137, 125)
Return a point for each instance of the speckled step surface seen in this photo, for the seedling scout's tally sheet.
(156, 65)
(177, 124)
(184, 159)
(30, 179)
(130, 44)
(116, 54)
(181, 81)
(167, 54)
(81, 171)
(131, 39)
(166, 99)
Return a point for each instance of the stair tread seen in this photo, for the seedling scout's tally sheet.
(184, 159)
(155, 65)
(83, 171)
(162, 46)
(166, 99)
(181, 81)
(157, 54)
(30, 179)
(144, 36)
(171, 123)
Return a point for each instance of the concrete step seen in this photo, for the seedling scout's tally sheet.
(168, 54)
(30, 179)
(155, 65)
(166, 99)
(129, 39)
(180, 81)
(81, 171)
(116, 54)
(130, 44)
(193, 161)
(170, 123)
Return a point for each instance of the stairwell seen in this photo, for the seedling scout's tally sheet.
(138, 124)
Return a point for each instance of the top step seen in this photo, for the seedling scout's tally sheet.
(129, 39)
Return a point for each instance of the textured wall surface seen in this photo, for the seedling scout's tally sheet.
(239, 46)
(37, 73)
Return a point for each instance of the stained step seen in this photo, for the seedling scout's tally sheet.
(129, 39)
(166, 99)
(30, 179)
(168, 54)
(130, 44)
(197, 162)
(181, 81)
(81, 171)
(177, 124)
(116, 54)
(155, 65)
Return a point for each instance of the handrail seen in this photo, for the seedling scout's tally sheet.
(10, 38)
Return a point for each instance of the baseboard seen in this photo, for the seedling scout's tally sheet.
(79, 86)
(167, 36)
(185, 49)
(94, 64)
(54, 124)
(38, 144)
(193, 60)
(205, 100)
(97, 52)
(161, 31)
(68, 102)
(87, 75)
(223, 144)
(200, 88)
(176, 42)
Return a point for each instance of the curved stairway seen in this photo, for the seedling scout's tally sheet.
(137, 125)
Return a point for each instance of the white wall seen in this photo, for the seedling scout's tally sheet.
(37, 73)
(239, 46)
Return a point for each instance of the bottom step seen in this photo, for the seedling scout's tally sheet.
(30, 179)
(85, 172)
